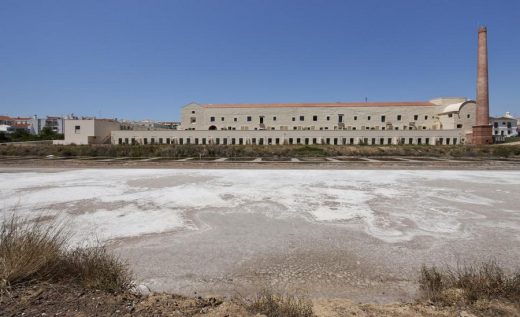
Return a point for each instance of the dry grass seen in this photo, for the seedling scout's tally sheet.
(469, 283)
(278, 305)
(95, 267)
(33, 252)
(28, 251)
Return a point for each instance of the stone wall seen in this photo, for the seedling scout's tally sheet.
(423, 116)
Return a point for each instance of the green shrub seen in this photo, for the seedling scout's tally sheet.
(503, 151)
(311, 151)
(214, 151)
(512, 139)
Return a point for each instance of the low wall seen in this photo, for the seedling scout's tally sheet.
(274, 137)
(29, 142)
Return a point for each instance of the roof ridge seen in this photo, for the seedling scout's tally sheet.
(320, 104)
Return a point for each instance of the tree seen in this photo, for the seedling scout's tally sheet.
(48, 134)
(21, 135)
(4, 137)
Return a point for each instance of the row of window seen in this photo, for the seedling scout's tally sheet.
(509, 125)
(509, 132)
(271, 141)
(348, 128)
(314, 118)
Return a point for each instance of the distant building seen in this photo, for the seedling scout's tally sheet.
(6, 124)
(55, 123)
(16, 123)
(6, 120)
(22, 123)
(504, 126)
(33, 125)
(173, 125)
(6, 128)
(148, 125)
(88, 131)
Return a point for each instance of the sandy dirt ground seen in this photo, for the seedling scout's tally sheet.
(70, 300)
(357, 234)
(328, 163)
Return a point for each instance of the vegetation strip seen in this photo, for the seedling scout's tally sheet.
(255, 151)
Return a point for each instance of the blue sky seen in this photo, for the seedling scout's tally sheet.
(146, 59)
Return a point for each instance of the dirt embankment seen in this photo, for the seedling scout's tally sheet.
(69, 300)
(248, 163)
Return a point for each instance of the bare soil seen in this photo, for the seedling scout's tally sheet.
(343, 307)
(45, 299)
(402, 162)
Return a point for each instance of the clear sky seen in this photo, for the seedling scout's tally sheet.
(142, 59)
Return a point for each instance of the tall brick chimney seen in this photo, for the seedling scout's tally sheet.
(482, 131)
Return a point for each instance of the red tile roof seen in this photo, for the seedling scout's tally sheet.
(21, 125)
(325, 104)
(14, 119)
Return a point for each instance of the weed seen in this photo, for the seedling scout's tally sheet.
(32, 252)
(278, 305)
(469, 283)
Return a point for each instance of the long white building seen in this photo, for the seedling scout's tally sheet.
(439, 121)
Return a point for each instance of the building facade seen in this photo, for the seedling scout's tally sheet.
(271, 137)
(11, 124)
(88, 131)
(54, 123)
(146, 125)
(504, 126)
(439, 121)
(437, 114)
(5, 128)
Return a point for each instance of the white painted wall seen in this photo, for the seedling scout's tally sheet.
(88, 131)
(284, 137)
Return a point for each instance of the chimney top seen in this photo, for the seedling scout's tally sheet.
(482, 29)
